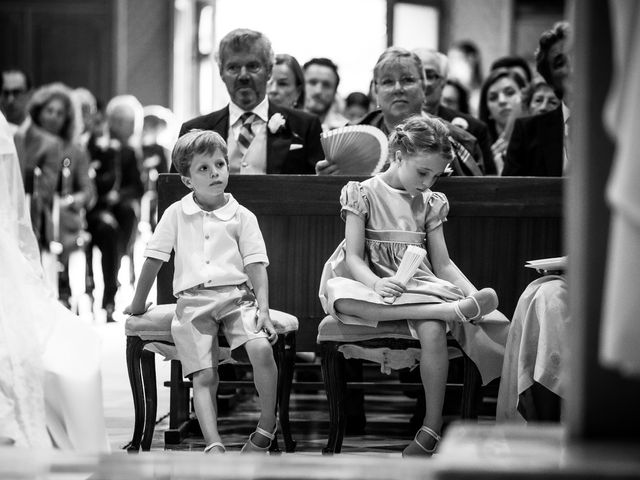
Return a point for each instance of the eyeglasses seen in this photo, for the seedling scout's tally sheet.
(389, 83)
(236, 68)
(12, 92)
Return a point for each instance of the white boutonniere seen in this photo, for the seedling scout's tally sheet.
(460, 122)
(276, 122)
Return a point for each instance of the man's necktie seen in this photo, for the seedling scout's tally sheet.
(246, 133)
(466, 165)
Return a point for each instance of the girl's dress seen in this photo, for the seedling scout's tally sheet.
(50, 382)
(394, 220)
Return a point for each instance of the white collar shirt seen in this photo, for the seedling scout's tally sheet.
(211, 248)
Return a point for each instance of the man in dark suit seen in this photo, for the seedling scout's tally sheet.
(435, 66)
(261, 137)
(537, 145)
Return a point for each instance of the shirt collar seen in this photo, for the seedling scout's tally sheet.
(261, 110)
(224, 213)
(566, 113)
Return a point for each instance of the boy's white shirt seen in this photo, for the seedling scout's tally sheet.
(211, 248)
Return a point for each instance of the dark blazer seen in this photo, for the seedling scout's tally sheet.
(300, 128)
(478, 129)
(535, 148)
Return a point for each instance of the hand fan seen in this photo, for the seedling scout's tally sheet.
(409, 264)
(356, 149)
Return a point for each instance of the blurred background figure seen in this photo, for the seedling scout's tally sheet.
(465, 66)
(321, 85)
(500, 106)
(16, 86)
(92, 117)
(514, 63)
(286, 87)
(356, 106)
(158, 137)
(113, 220)
(540, 98)
(455, 96)
(53, 109)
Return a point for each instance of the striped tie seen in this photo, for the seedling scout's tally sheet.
(246, 133)
(465, 164)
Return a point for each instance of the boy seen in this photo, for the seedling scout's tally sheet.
(219, 255)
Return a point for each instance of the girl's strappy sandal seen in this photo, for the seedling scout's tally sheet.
(252, 447)
(214, 448)
(417, 449)
(493, 304)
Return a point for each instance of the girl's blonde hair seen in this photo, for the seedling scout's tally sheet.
(421, 134)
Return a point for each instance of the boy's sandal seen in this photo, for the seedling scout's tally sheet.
(463, 318)
(215, 447)
(252, 447)
(417, 449)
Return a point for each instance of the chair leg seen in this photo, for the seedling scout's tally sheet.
(135, 348)
(285, 379)
(150, 397)
(335, 384)
(179, 423)
(470, 389)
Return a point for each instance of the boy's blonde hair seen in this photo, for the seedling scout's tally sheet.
(420, 134)
(196, 142)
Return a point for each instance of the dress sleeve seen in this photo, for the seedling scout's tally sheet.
(437, 212)
(353, 199)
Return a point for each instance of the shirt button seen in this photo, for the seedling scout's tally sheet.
(207, 262)
(206, 237)
(244, 164)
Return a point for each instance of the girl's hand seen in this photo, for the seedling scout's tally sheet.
(263, 322)
(389, 287)
(136, 309)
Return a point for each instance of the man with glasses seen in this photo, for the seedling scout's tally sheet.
(436, 69)
(261, 137)
(14, 97)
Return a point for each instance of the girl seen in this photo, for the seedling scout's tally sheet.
(384, 215)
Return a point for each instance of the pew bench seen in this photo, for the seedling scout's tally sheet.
(495, 224)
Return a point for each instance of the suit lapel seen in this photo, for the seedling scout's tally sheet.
(219, 122)
(277, 144)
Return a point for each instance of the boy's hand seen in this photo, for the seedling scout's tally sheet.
(389, 287)
(263, 322)
(136, 309)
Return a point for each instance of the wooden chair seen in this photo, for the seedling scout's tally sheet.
(150, 333)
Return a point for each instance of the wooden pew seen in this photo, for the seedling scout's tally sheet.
(495, 224)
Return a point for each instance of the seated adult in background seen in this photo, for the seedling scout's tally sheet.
(500, 105)
(537, 146)
(356, 106)
(400, 90)
(113, 220)
(435, 65)
(455, 96)
(261, 136)
(532, 381)
(286, 85)
(465, 66)
(89, 111)
(540, 98)
(514, 63)
(51, 107)
(321, 85)
(40, 153)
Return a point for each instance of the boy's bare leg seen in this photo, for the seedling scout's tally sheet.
(265, 377)
(205, 388)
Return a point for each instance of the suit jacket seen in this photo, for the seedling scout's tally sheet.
(300, 128)
(478, 129)
(535, 148)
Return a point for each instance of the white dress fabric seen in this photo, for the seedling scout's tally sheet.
(620, 330)
(393, 221)
(536, 346)
(50, 382)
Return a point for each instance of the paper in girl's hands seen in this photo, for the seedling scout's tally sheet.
(356, 149)
(411, 260)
